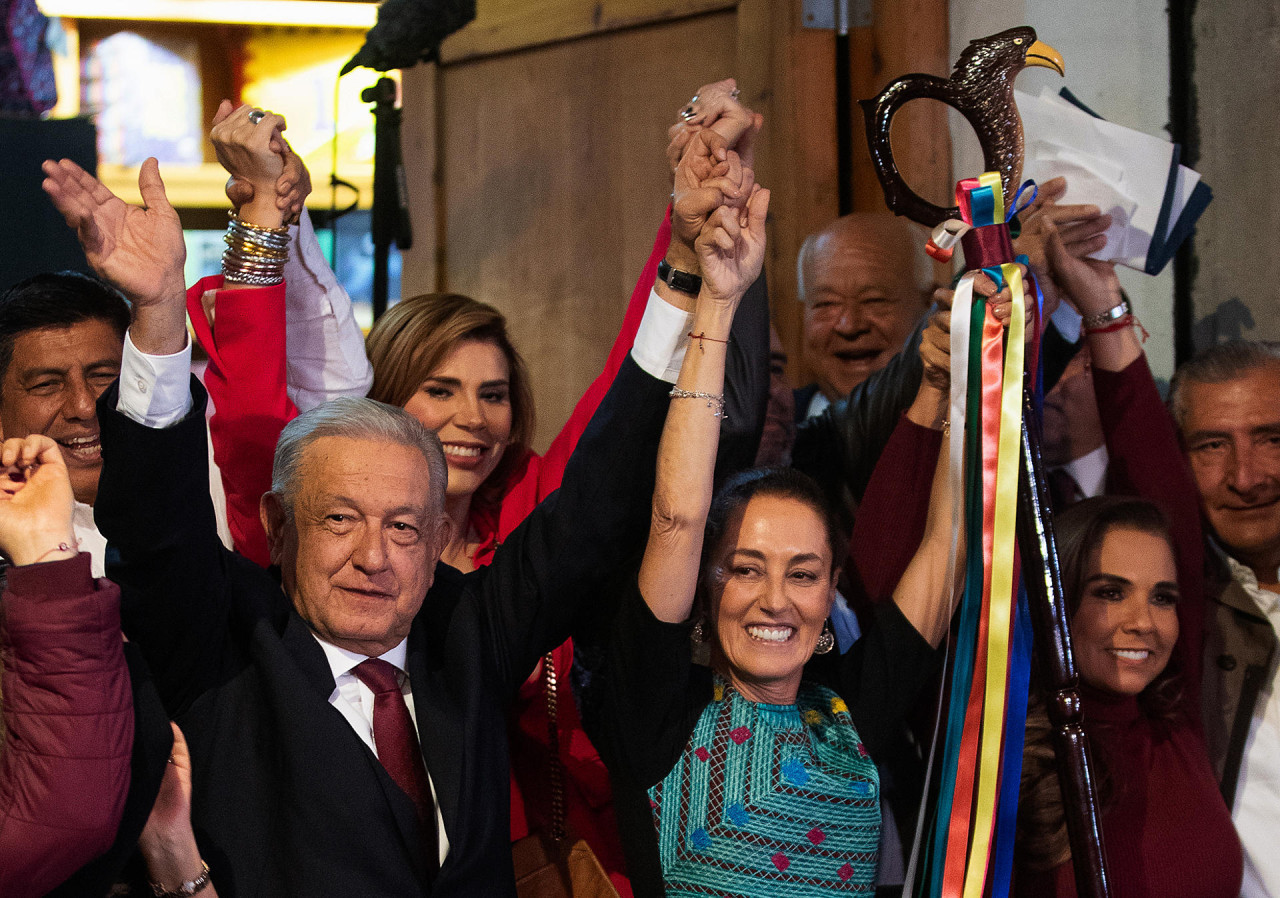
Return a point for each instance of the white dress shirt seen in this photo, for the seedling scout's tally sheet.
(1257, 809)
(817, 405)
(326, 357)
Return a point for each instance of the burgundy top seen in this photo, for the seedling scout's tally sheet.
(1166, 830)
(68, 716)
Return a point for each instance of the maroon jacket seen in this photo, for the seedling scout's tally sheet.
(68, 718)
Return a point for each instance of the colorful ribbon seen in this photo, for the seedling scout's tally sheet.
(970, 841)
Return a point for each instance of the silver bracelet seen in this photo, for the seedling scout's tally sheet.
(714, 400)
(1102, 319)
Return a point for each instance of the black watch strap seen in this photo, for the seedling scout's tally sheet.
(679, 280)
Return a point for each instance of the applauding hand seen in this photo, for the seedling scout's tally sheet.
(139, 249)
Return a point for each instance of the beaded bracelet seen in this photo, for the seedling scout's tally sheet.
(1128, 320)
(703, 336)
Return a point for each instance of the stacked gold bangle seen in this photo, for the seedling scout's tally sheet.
(254, 256)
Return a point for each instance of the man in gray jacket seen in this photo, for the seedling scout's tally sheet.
(1227, 405)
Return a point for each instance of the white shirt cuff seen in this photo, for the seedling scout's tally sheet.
(155, 390)
(662, 338)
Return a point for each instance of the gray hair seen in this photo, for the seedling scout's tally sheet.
(359, 419)
(921, 263)
(1219, 364)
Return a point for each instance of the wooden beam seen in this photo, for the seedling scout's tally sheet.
(787, 73)
(905, 36)
(419, 148)
(501, 26)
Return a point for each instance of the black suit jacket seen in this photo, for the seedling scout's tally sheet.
(287, 799)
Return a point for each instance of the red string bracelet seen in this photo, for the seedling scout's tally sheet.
(1129, 320)
(703, 336)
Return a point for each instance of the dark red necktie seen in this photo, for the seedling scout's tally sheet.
(397, 744)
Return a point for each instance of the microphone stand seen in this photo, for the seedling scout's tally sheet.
(390, 190)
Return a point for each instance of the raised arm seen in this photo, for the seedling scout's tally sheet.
(1144, 455)
(68, 712)
(730, 252)
(240, 320)
(746, 376)
(891, 518)
(153, 500)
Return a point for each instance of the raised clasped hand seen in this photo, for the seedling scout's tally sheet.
(268, 180)
(710, 175)
(716, 107)
(36, 501)
(730, 248)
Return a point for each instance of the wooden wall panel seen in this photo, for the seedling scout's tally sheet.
(553, 182)
(418, 150)
(501, 26)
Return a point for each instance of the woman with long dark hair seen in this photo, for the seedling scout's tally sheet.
(1133, 577)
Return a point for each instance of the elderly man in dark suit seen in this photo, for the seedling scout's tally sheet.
(312, 699)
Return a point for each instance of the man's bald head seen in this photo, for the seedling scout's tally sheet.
(865, 281)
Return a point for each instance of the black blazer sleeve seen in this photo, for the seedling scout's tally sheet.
(560, 568)
(154, 508)
(746, 382)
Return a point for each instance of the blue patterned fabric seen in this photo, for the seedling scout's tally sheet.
(770, 800)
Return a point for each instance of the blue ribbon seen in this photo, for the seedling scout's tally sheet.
(982, 206)
(1014, 208)
(1015, 730)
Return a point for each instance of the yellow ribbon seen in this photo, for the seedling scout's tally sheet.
(1001, 613)
(992, 179)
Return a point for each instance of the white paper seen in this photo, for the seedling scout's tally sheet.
(1123, 171)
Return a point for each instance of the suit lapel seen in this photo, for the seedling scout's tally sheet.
(1237, 597)
(301, 645)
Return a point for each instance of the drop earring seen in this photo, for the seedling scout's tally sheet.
(826, 640)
